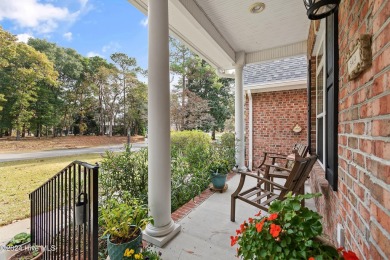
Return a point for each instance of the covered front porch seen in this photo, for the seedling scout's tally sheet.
(228, 35)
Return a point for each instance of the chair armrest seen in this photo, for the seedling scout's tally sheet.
(264, 180)
(278, 167)
(278, 156)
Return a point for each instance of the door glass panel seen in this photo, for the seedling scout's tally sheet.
(320, 139)
(320, 92)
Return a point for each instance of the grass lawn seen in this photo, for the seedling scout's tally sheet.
(19, 178)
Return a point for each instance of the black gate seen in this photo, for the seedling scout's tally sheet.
(64, 213)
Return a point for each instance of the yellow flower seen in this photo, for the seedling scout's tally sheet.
(128, 252)
(138, 256)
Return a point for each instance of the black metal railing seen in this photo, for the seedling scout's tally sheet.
(64, 213)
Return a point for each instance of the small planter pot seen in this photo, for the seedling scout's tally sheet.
(27, 253)
(116, 251)
(218, 180)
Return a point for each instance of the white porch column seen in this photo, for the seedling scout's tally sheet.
(250, 130)
(239, 115)
(159, 171)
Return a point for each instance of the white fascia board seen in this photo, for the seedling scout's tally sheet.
(277, 86)
(188, 23)
(294, 49)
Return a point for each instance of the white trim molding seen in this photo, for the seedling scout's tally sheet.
(295, 49)
(277, 86)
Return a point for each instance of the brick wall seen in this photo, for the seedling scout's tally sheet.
(274, 116)
(362, 203)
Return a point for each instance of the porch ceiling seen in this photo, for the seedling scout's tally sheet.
(219, 30)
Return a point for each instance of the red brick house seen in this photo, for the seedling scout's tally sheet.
(276, 101)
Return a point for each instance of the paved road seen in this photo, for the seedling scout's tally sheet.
(6, 157)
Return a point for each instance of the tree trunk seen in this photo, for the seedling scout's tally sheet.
(213, 134)
(24, 130)
(110, 128)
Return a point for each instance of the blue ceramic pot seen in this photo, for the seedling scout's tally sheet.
(116, 251)
(218, 180)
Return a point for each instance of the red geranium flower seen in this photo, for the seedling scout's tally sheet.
(349, 255)
(311, 258)
(275, 230)
(238, 231)
(250, 220)
(259, 226)
(233, 240)
(273, 216)
(243, 226)
(258, 214)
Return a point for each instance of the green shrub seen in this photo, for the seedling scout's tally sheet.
(186, 182)
(191, 154)
(227, 146)
(127, 171)
(193, 145)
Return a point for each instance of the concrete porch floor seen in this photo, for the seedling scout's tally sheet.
(206, 230)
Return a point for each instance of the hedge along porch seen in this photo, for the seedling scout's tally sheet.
(355, 154)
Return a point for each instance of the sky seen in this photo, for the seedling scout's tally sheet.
(91, 27)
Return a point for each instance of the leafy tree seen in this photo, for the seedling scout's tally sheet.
(206, 84)
(181, 62)
(199, 78)
(111, 90)
(128, 70)
(27, 70)
(7, 53)
(97, 77)
(70, 66)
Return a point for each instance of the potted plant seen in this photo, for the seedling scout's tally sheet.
(29, 253)
(218, 169)
(20, 240)
(289, 232)
(123, 222)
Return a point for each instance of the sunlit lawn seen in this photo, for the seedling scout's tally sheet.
(19, 178)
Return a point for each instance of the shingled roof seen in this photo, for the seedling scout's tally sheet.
(293, 68)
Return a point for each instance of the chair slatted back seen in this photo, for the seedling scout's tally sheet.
(301, 149)
(299, 173)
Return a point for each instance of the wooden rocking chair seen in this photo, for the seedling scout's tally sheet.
(300, 149)
(282, 172)
(263, 193)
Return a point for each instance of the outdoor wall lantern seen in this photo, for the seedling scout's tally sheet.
(318, 9)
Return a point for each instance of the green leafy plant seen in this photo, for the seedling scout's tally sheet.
(19, 239)
(127, 171)
(228, 147)
(289, 232)
(123, 219)
(219, 166)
